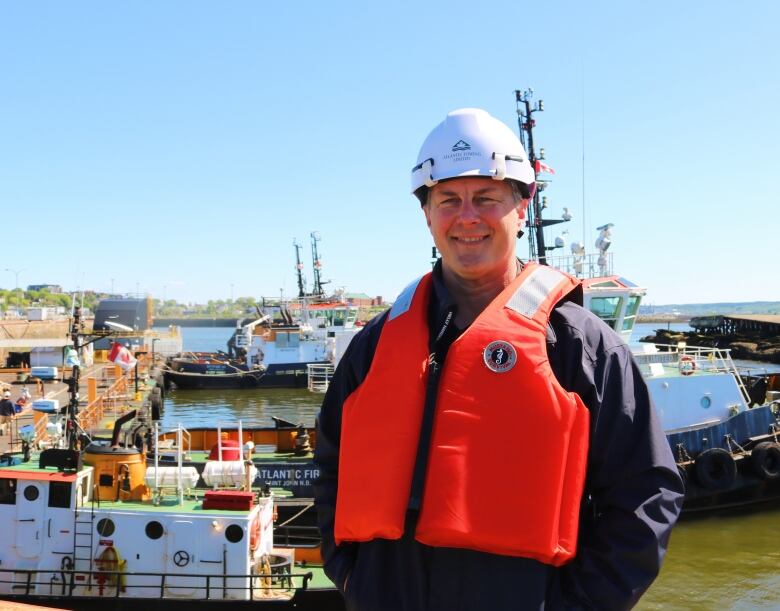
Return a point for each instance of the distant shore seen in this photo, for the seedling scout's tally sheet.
(231, 322)
(196, 322)
(662, 318)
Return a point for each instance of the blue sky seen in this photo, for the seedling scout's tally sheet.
(177, 148)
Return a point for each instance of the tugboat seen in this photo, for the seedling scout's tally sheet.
(724, 435)
(101, 528)
(314, 332)
(92, 525)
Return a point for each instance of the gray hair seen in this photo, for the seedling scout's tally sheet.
(519, 192)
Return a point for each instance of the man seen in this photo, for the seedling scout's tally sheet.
(6, 413)
(488, 443)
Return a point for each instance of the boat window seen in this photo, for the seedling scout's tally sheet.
(7, 491)
(631, 309)
(31, 493)
(606, 308)
(105, 527)
(633, 305)
(59, 494)
(606, 284)
(154, 530)
(234, 533)
(293, 340)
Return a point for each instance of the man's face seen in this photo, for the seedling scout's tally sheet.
(474, 223)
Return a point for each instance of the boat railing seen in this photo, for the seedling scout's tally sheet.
(296, 535)
(593, 265)
(319, 377)
(690, 359)
(113, 400)
(168, 443)
(275, 581)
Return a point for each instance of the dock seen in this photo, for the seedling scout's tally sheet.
(106, 392)
(758, 325)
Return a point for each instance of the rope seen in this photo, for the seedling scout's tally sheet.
(301, 512)
(729, 440)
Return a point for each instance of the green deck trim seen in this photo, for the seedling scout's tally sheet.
(167, 505)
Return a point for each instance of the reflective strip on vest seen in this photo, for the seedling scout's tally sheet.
(530, 295)
(508, 453)
(404, 301)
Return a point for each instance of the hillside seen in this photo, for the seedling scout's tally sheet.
(687, 310)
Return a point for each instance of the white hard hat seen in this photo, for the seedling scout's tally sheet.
(471, 142)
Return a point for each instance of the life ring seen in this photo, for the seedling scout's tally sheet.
(716, 469)
(254, 533)
(110, 570)
(765, 460)
(686, 365)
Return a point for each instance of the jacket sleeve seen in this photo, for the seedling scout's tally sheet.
(339, 559)
(633, 492)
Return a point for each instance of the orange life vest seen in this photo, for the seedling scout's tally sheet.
(509, 445)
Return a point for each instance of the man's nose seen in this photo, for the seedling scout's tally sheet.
(468, 211)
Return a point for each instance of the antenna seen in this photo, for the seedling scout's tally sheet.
(584, 219)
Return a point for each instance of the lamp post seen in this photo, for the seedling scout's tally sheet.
(16, 284)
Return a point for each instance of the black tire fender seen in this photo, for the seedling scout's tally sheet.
(716, 469)
(156, 403)
(160, 383)
(765, 460)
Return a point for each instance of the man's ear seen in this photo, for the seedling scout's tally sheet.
(522, 210)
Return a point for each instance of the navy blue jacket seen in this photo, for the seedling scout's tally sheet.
(633, 493)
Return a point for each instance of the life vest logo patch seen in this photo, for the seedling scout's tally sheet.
(499, 356)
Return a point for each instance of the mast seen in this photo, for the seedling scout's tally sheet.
(537, 250)
(299, 269)
(526, 123)
(316, 265)
(72, 411)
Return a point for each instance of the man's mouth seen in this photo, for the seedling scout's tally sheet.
(470, 239)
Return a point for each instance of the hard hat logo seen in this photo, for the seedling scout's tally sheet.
(461, 145)
(461, 154)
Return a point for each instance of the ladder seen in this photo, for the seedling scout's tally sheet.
(83, 540)
(318, 377)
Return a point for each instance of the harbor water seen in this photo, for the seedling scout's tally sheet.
(725, 561)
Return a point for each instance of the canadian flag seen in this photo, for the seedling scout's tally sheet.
(543, 167)
(121, 356)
